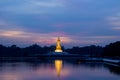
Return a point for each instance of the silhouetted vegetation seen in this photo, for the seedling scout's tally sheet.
(14, 51)
(111, 50)
(91, 51)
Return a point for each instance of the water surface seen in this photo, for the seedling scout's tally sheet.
(58, 70)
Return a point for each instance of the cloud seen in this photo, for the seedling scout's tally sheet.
(4, 24)
(101, 37)
(66, 24)
(13, 34)
(92, 40)
(33, 6)
(114, 21)
(47, 3)
(16, 34)
(40, 38)
(42, 21)
(116, 28)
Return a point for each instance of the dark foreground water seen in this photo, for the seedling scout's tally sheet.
(58, 70)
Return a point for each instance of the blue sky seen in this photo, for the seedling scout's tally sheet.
(77, 22)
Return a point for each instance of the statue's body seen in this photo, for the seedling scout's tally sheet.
(58, 46)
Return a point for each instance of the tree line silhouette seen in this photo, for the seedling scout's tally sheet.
(112, 50)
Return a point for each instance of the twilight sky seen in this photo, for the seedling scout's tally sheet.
(77, 22)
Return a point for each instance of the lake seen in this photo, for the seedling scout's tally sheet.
(59, 70)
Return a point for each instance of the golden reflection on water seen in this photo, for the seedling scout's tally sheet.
(58, 66)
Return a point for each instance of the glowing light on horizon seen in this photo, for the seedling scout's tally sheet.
(58, 51)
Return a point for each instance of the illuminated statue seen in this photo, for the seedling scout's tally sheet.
(58, 46)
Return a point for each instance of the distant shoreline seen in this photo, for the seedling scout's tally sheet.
(110, 51)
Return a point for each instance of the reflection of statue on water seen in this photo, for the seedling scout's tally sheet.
(58, 66)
